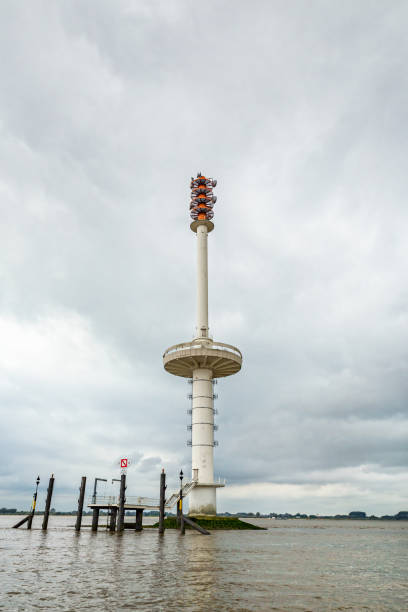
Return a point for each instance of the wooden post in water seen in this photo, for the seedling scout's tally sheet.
(112, 524)
(24, 520)
(162, 500)
(121, 511)
(31, 515)
(195, 525)
(95, 519)
(48, 503)
(178, 514)
(80, 504)
(139, 519)
(180, 505)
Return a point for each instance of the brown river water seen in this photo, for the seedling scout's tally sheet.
(294, 565)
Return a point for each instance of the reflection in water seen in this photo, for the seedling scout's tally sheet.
(295, 565)
(200, 573)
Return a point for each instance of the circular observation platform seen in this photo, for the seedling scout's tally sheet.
(222, 359)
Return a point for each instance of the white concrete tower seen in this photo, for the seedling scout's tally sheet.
(202, 359)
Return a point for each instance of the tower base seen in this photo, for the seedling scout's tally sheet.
(202, 499)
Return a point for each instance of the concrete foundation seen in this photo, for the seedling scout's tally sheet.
(202, 500)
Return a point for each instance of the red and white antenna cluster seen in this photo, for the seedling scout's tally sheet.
(202, 198)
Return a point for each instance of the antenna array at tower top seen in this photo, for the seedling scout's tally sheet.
(202, 198)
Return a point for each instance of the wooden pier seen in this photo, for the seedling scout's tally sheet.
(116, 506)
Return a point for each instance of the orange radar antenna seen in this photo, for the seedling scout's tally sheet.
(202, 198)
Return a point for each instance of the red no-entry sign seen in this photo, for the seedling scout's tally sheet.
(123, 463)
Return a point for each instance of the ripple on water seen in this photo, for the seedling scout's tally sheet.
(302, 565)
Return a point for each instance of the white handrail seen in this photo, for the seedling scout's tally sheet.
(142, 501)
(210, 345)
(145, 502)
(103, 500)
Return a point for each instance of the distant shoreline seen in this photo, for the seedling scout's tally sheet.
(400, 516)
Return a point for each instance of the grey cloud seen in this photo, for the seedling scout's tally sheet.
(104, 117)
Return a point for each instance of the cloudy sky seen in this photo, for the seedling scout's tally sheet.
(299, 109)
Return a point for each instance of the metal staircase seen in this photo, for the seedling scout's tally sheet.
(174, 498)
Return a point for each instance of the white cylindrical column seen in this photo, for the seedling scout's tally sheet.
(202, 282)
(202, 422)
(202, 499)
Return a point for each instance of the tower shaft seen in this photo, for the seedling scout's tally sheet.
(202, 497)
(202, 282)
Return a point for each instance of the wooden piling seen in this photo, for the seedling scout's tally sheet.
(162, 500)
(21, 522)
(178, 514)
(95, 519)
(139, 519)
(112, 523)
(31, 515)
(80, 504)
(121, 511)
(48, 503)
(195, 525)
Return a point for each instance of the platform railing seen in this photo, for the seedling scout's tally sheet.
(205, 345)
(145, 502)
(221, 481)
(113, 500)
(142, 501)
(103, 500)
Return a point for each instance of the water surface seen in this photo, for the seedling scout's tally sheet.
(294, 565)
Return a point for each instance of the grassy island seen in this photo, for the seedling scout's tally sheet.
(211, 523)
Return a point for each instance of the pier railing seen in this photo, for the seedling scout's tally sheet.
(113, 500)
(142, 502)
(149, 502)
(103, 500)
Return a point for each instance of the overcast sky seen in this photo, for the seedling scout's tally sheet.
(299, 109)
